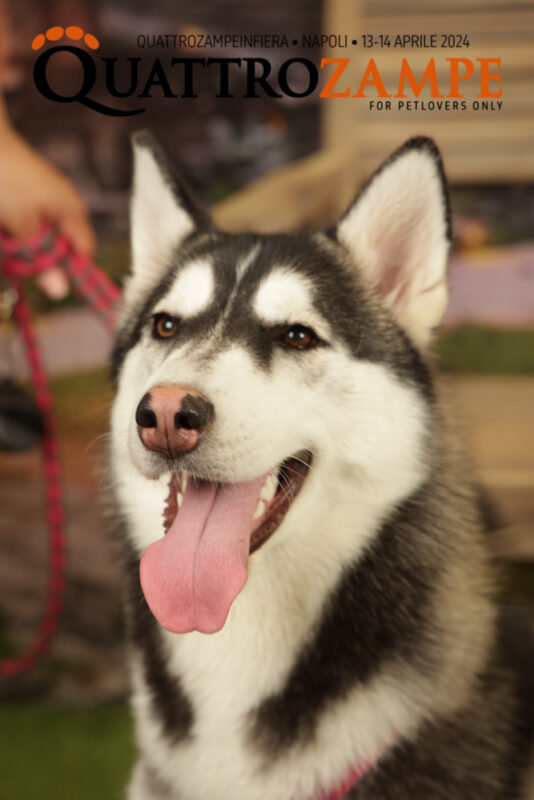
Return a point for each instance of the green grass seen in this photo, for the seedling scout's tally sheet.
(486, 350)
(58, 753)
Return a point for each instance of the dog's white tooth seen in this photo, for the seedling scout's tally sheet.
(179, 498)
(269, 488)
(259, 510)
(185, 476)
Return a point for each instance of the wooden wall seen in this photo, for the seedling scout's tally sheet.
(479, 147)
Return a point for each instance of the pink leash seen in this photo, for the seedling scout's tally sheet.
(27, 258)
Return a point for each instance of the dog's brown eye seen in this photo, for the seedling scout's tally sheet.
(299, 337)
(164, 326)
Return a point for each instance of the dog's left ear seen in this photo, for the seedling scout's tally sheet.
(398, 232)
(162, 215)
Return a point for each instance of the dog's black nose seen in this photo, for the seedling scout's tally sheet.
(144, 415)
(170, 419)
(194, 414)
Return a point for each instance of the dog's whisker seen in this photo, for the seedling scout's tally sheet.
(103, 437)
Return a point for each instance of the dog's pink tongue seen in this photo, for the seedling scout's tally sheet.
(191, 577)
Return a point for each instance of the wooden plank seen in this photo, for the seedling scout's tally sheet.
(507, 133)
(479, 147)
(472, 166)
(477, 152)
(494, 414)
(480, 170)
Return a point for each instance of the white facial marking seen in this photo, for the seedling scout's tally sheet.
(245, 262)
(282, 296)
(192, 291)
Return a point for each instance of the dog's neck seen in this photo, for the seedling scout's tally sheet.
(343, 790)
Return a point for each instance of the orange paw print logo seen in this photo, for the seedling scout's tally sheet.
(73, 32)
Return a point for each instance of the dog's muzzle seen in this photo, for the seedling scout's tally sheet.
(171, 419)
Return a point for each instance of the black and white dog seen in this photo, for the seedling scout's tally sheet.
(319, 616)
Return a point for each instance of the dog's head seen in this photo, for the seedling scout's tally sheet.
(269, 384)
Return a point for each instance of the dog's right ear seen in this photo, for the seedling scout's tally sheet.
(162, 215)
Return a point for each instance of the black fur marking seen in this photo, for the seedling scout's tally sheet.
(170, 703)
(396, 350)
(195, 413)
(480, 752)
(380, 610)
(516, 643)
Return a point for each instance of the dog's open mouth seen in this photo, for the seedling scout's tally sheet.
(279, 489)
(193, 574)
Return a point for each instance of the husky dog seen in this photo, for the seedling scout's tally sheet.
(309, 597)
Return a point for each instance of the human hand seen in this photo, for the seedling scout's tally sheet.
(33, 192)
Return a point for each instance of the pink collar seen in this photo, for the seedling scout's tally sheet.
(353, 778)
(342, 789)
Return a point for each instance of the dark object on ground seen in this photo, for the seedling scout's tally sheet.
(21, 423)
